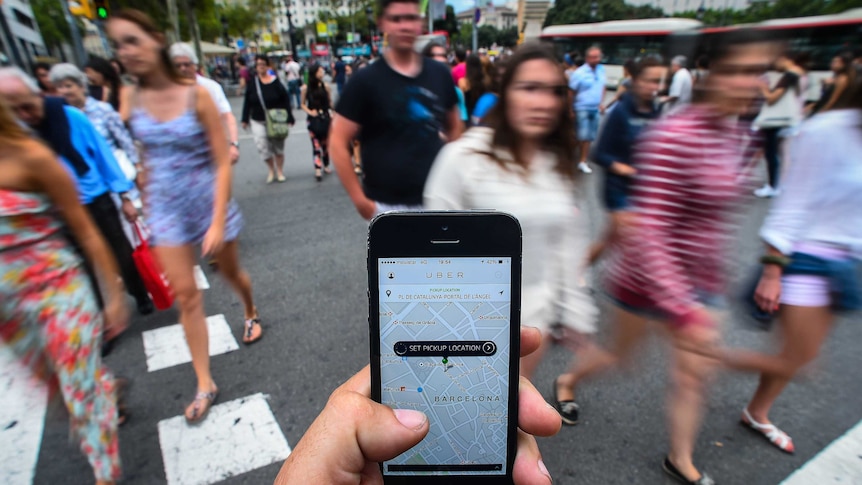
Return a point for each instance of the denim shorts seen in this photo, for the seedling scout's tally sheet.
(588, 124)
(712, 301)
(616, 197)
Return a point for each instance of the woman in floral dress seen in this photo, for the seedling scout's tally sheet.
(48, 310)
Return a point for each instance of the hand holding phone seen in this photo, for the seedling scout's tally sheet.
(444, 315)
(353, 433)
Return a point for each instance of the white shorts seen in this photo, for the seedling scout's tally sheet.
(808, 290)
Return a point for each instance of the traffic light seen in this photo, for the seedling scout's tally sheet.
(101, 9)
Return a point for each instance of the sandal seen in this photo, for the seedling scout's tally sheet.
(671, 470)
(778, 438)
(252, 331)
(568, 409)
(201, 406)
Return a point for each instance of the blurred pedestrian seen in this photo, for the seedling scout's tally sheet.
(437, 52)
(402, 109)
(292, 74)
(317, 104)
(835, 89)
(187, 185)
(614, 150)
(460, 68)
(103, 81)
(813, 237)
(71, 84)
(669, 263)
(87, 154)
(244, 74)
(475, 84)
(781, 112)
(186, 63)
(587, 85)
(524, 162)
(49, 313)
(339, 74)
(681, 84)
(41, 72)
(624, 85)
(264, 93)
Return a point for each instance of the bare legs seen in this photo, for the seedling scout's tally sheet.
(690, 376)
(279, 166)
(804, 329)
(178, 264)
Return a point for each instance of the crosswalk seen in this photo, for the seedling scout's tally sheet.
(235, 438)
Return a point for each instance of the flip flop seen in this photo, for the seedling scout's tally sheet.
(201, 406)
(569, 410)
(251, 331)
(778, 438)
(672, 471)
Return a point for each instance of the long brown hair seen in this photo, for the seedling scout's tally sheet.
(146, 24)
(561, 142)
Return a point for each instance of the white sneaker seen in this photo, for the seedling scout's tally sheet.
(766, 192)
(585, 167)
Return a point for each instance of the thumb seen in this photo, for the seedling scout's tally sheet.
(388, 433)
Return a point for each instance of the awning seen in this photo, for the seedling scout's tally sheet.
(211, 49)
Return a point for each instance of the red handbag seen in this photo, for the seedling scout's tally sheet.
(154, 280)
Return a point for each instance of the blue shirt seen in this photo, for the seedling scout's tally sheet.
(483, 106)
(462, 105)
(104, 174)
(590, 86)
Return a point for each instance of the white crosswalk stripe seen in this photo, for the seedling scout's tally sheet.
(236, 437)
(839, 463)
(23, 402)
(166, 346)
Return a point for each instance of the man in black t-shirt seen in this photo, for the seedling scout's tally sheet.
(402, 109)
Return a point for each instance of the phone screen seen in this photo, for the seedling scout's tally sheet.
(445, 340)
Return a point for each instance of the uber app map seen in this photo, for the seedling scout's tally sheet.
(445, 351)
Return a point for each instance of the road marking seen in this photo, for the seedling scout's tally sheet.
(166, 347)
(838, 463)
(23, 402)
(201, 278)
(236, 437)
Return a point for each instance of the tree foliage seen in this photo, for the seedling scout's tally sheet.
(450, 23)
(760, 11)
(579, 11)
(487, 36)
(52, 22)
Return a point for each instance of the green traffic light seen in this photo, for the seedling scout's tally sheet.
(102, 12)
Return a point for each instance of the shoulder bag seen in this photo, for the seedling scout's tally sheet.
(277, 125)
(785, 112)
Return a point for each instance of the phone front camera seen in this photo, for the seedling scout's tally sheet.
(445, 228)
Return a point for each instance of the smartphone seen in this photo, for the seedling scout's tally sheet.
(444, 319)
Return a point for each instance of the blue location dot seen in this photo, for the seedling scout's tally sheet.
(419, 389)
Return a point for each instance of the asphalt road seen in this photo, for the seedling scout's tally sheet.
(304, 246)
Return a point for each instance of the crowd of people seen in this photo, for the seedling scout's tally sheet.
(80, 147)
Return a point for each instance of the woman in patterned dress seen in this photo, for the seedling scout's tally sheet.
(49, 314)
(186, 183)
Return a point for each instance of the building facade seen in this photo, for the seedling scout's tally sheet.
(500, 17)
(20, 38)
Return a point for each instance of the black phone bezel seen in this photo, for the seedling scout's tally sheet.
(433, 234)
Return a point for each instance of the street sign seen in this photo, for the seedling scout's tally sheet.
(477, 15)
(240, 44)
(82, 8)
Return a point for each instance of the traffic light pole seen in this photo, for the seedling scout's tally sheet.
(77, 43)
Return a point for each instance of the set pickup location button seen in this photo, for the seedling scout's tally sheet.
(457, 348)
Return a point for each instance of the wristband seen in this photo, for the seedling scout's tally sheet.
(781, 261)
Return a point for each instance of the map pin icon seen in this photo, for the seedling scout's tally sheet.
(388, 292)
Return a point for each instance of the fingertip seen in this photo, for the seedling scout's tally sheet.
(535, 415)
